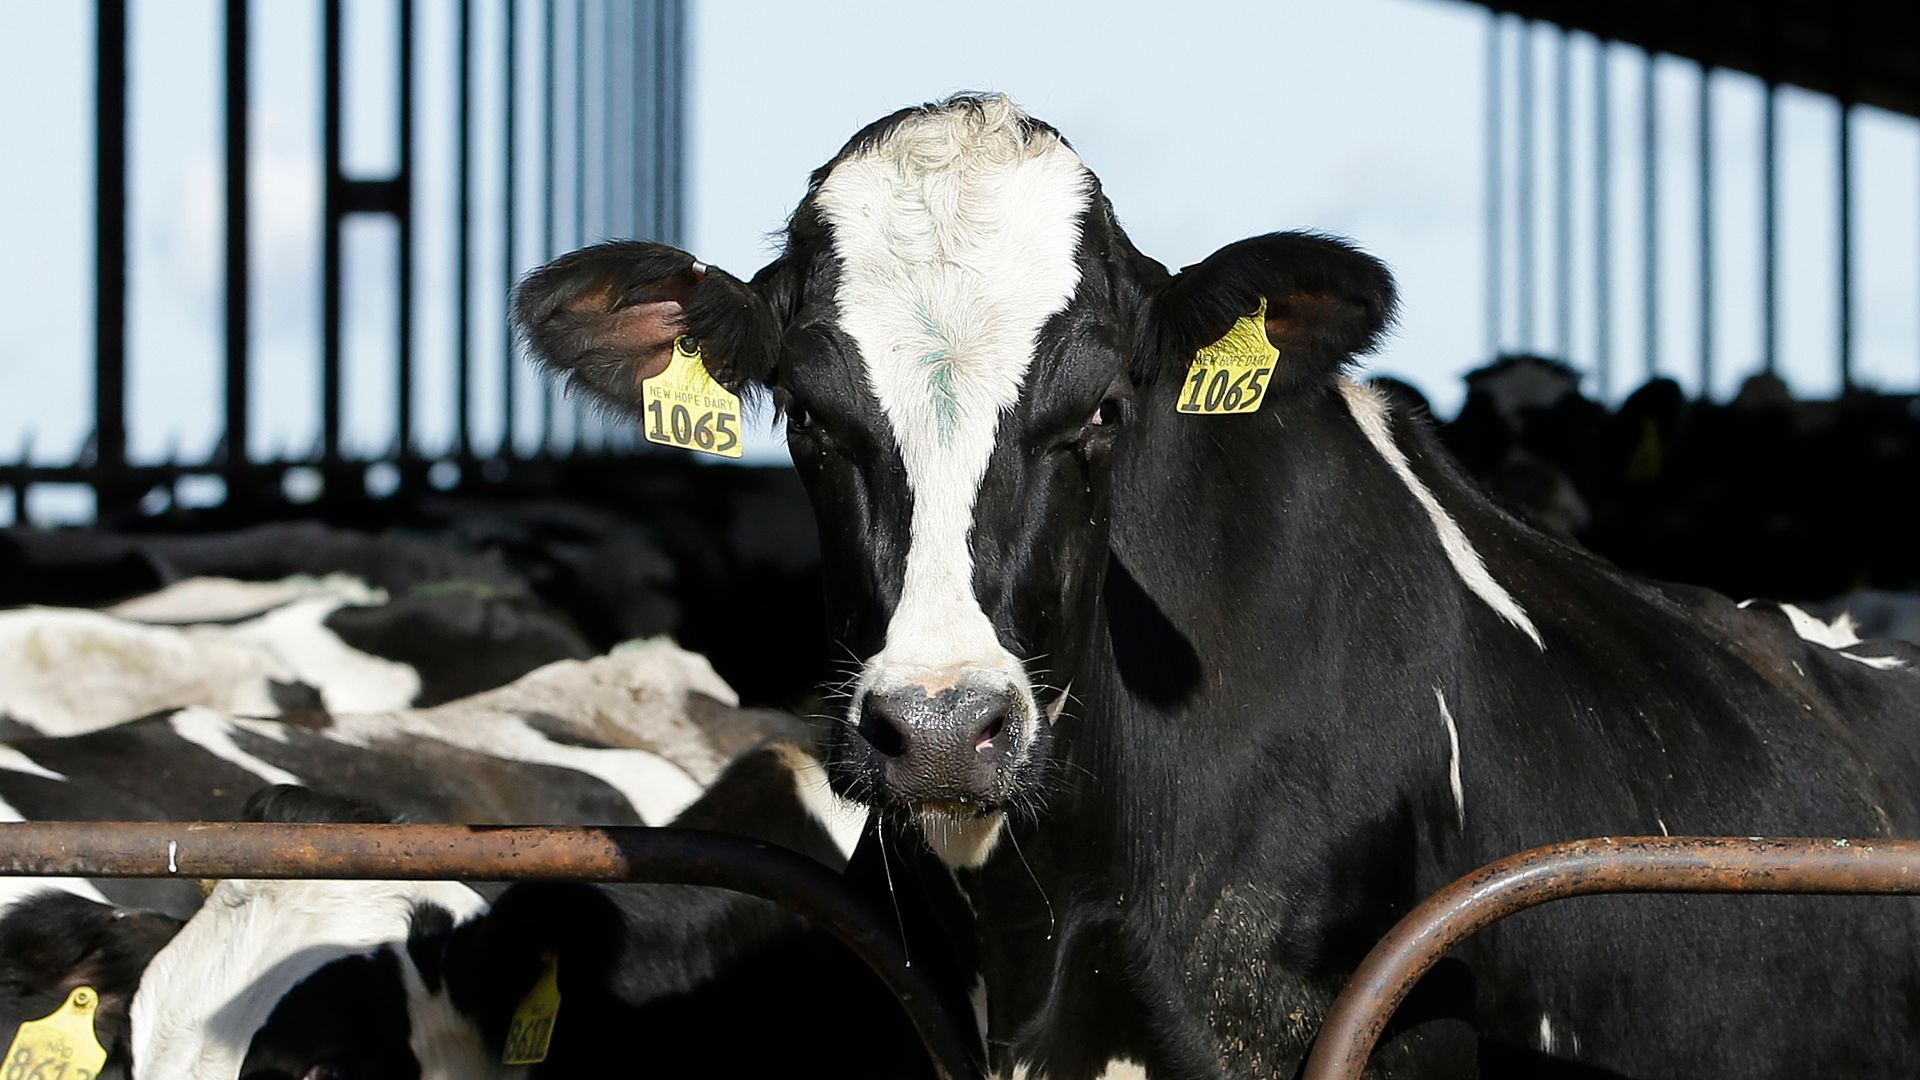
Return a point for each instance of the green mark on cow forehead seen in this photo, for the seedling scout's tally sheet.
(940, 375)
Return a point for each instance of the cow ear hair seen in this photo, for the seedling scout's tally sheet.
(605, 318)
(1327, 302)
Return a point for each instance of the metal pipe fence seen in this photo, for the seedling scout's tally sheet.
(1849, 54)
(602, 854)
(1627, 864)
(621, 119)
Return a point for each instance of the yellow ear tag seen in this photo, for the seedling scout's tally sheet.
(686, 408)
(1230, 375)
(62, 1045)
(532, 1029)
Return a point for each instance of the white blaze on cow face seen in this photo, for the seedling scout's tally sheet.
(956, 236)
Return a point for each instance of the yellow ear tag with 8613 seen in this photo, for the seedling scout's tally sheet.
(61, 1046)
(531, 1032)
(1230, 376)
(686, 408)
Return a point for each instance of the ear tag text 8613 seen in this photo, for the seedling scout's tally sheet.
(531, 1032)
(685, 407)
(61, 1045)
(1230, 376)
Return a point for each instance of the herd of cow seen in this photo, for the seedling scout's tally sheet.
(1155, 714)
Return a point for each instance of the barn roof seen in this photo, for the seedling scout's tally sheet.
(1868, 53)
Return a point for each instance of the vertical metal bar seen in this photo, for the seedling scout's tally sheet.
(507, 264)
(549, 193)
(1603, 222)
(1770, 188)
(580, 122)
(403, 350)
(1770, 227)
(645, 126)
(1496, 245)
(674, 78)
(579, 175)
(335, 210)
(1843, 153)
(1524, 290)
(1706, 231)
(237, 99)
(463, 223)
(610, 127)
(110, 253)
(1650, 213)
(1563, 196)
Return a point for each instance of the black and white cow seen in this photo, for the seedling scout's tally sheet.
(358, 980)
(629, 738)
(1196, 706)
(299, 645)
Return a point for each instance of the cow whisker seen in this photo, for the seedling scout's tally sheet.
(1052, 925)
(887, 869)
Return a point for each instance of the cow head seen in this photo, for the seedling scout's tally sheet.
(962, 340)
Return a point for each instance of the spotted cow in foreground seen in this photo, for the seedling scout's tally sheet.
(635, 737)
(421, 979)
(1195, 706)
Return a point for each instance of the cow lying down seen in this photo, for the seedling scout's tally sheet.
(303, 644)
(334, 979)
(632, 737)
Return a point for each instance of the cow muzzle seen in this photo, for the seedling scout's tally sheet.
(952, 749)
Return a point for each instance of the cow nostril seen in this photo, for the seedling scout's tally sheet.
(995, 727)
(882, 730)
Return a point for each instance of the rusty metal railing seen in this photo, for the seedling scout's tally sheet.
(1630, 864)
(604, 854)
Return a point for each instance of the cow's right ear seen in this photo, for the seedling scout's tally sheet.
(606, 317)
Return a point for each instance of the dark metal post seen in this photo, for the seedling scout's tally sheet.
(1563, 196)
(403, 390)
(673, 82)
(1843, 154)
(579, 442)
(1770, 204)
(613, 95)
(1603, 223)
(1524, 285)
(463, 224)
(1650, 213)
(508, 266)
(1706, 231)
(334, 211)
(237, 100)
(644, 124)
(1496, 246)
(110, 252)
(549, 193)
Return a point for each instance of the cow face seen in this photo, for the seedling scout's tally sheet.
(961, 339)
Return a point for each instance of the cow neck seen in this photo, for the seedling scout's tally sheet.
(1235, 749)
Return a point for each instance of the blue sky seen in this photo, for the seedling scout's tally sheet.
(1361, 117)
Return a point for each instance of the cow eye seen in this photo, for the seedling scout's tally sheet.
(798, 418)
(1106, 415)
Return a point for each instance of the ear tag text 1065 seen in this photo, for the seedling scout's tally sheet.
(531, 1032)
(1230, 376)
(686, 408)
(61, 1045)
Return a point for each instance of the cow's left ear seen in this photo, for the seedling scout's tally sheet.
(1327, 301)
(606, 317)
